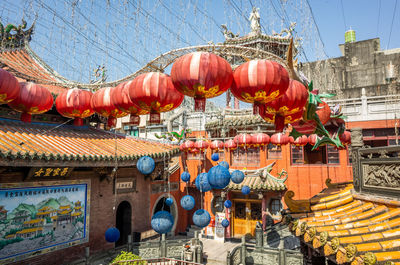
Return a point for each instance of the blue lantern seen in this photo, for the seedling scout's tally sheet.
(228, 204)
(225, 223)
(112, 234)
(246, 190)
(185, 176)
(145, 165)
(202, 182)
(169, 201)
(187, 202)
(224, 164)
(201, 218)
(215, 157)
(237, 176)
(162, 222)
(219, 177)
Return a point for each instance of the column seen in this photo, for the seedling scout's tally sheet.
(228, 216)
(356, 143)
(264, 212)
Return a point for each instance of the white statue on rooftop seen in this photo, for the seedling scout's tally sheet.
(255, 21)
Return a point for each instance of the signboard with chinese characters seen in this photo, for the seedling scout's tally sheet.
(41, 217)
(219, 229)
(163, 187)
(124, 185)
(49, 172)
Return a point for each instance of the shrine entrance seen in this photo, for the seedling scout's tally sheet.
(123, 222)
(246, 214)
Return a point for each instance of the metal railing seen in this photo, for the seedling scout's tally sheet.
(155, 261)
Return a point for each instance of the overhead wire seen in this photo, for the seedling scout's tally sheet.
(343, 15)
(391, 26)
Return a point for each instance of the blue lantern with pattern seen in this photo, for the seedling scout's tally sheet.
(215, 157)
(224, 164)
(112, 234)
(185, 176)
(237, 176)
(187, 202)
(146, 165)
(228, 204)
(169, 201)
(201, 218)
(162, 222)
(225, 223)
(246, 190)
(219, 177)
(202, 183)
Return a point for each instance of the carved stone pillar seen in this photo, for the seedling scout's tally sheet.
(228, 216)
(356, 143)
(264, 214)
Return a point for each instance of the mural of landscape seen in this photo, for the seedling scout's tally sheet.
(35, 219)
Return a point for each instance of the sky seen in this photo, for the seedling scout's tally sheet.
(76, 36)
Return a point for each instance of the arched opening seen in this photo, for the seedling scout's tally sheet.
(161, 206)
(123, 222)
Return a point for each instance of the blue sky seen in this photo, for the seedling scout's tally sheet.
(75, 36)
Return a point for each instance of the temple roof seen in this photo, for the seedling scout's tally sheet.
(237, 121)
(257, 183)
(66, 144)
(348, 227)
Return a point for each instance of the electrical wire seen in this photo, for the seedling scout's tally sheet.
(391, 26)
(344, 17)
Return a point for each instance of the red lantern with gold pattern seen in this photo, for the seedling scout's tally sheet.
(187, 145)
(345, 138)
(230, 144)
(75, 103)
(308, 127)
(259, 82)
(102, 104)
(32, 99)
(243, 140)
(9, 87)
(201, 145)
(312, 139)
(155, 93)
(279, 139)
(260, 139)
(123, 102)
(301, 141)
(201, 75)
(279, 120)
(289, 107)
(217, 145)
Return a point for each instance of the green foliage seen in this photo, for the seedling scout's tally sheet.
(48, 220)
(4, 243)
(125, 256)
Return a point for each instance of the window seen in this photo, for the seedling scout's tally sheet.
(297, 155)
(274, 151)
(332, 154)
(317, 156)
(276, 206)
(349, 155)
(246, 157)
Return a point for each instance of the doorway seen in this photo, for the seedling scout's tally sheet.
(160, 205)
(124, 224)
(246, 214)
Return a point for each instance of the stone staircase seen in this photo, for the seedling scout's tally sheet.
(191, 229)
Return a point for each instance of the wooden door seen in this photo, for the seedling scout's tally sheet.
(245, 217)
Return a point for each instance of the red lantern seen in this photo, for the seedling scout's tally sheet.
(9, 87)
(260, 139)
(155, 93)
(279, 139)
(301, 140)
(216, 145)
(259, 82)
(194, 151)
(243, 140)
(75, 103)
(123, 102)
(289, 107)
(230, 144)
(308, 127)
(32, 99)
(201, 75)
(201, 145)
(187, 146)
(345, 138)
(312, 139)
(102, 104)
